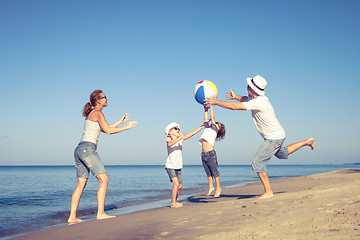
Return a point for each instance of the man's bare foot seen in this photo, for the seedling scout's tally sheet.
(210, 191)
(218, 192)
(264, 196)
(176, 205)
(310, 142)
(104, 216)
(74, 220)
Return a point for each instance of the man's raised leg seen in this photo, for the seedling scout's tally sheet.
(296, 146)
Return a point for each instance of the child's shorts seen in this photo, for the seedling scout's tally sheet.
(269, 148)
(209, 161)
(174, 173)
(87, 159)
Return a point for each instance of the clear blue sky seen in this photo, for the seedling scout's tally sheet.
(147, 56)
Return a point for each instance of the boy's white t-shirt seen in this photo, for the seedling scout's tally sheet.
(264, 118)
(209, 134)
(174, 159)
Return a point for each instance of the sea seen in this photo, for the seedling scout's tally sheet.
(35, 198)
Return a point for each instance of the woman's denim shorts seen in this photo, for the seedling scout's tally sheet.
(209, 161)
(174, 173)
(268, 149)
(87, 159)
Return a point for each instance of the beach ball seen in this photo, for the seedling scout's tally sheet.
(205, 89)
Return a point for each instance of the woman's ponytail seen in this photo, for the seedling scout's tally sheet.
(87, 109)
(94, 96)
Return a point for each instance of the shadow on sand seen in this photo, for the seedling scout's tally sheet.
(210, 199)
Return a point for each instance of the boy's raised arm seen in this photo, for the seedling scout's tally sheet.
(189, 135)
(212, 115)
(172, 142)
(206, 114)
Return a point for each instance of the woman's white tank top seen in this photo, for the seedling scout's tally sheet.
(91, 131)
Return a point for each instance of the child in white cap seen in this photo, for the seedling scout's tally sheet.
(174, 162)
(268, 126)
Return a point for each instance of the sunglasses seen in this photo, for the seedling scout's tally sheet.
(176, 128)
(103, 97)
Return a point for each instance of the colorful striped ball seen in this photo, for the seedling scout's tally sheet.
(205, 89)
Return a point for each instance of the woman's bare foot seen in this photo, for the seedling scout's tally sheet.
(176, 205)
(104, 216)
(264, 196)
(218, 192)
(211, 189)
(310, 142)
(74, 220)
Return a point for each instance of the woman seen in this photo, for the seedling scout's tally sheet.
(86, 157)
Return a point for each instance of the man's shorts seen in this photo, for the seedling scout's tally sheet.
(269, 148)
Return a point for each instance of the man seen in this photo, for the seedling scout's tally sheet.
(266, 123)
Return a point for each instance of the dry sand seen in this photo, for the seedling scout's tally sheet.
(321, 206)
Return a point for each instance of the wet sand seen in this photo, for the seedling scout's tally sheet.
(321, 206)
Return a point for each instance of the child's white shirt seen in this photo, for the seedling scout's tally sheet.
(209, 134)
(174, 159)
(264, 118)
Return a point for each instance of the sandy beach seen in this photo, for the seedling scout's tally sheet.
(321, 206)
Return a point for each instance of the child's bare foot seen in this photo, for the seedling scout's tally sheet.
(310, 142)
(176, 205)
(104, 216)
(264, 196)
(218, 192)
(74, 220)
(211, 189)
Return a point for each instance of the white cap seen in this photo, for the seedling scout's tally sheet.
(170, 126)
